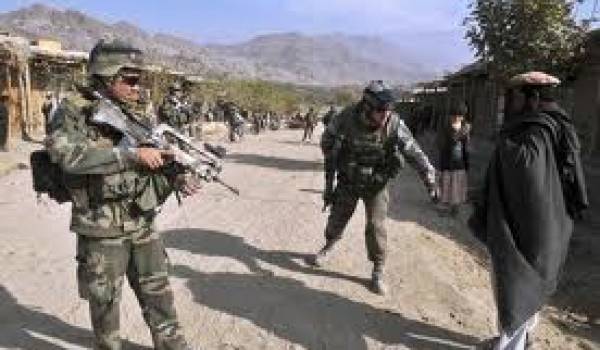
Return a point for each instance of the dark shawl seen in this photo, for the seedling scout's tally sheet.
(523, 218)
(450, 139)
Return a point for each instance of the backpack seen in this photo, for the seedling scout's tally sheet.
(48, 177)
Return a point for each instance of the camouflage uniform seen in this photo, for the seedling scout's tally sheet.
(234, 121)
(309, 125)
(113, 209)
(175, 112)
(365, 160)
(193, 109)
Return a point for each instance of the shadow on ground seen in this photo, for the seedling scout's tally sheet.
(579, 290)
(23, 327)
(410, 205)
(221, 244)
(286, 164)
(289, 309)
(300, 143)
(311, 190)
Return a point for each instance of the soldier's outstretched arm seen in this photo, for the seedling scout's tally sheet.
(415, 156)
(69, 148)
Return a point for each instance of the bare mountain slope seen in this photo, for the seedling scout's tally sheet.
(289, 57)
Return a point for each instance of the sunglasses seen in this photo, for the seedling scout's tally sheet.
(131, 80)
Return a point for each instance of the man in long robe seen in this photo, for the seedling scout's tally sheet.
(534, 188)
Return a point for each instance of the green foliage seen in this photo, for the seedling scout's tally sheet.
(260, 95)
(252, 95)
(515, 36)
(346, 95)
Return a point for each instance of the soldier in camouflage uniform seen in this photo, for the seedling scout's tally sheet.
(309, 124)
(174, 110)
(234, 120)
(115, 192)
(193, 109)
(365, 146)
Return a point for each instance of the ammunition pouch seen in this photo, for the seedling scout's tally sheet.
(140, 193)
(366, 180)
(367, 167)
(145, 192)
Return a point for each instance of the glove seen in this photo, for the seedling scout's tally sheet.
(434, 195)
(433, 191)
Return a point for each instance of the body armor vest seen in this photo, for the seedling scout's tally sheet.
(365, 156)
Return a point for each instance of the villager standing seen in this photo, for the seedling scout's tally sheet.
(534, 189)
(454, 159)
(48, 108)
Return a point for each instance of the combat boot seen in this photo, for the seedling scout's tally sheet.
(318, 260)
(377, 283)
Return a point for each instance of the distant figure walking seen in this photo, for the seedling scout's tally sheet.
(309, 125)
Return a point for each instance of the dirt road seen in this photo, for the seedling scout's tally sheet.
(238, 271)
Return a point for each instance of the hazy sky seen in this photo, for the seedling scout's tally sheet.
(425, 27)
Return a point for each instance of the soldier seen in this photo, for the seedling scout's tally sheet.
(309, 124)
(235, 122)
(192, 108)
(173, 110)
(256, 122)
(115, 191)
(364, 145)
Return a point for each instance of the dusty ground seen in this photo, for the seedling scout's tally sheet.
(240, 282)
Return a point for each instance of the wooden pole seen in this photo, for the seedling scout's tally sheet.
(12, 110)
(28, 112)
(8, 106)
(22, 98)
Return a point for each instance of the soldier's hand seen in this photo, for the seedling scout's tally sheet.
(434, 194)
(152, 158)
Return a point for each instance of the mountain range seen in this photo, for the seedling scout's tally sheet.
(332, 59)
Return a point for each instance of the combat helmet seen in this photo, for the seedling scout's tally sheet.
(108, 57)
(377, 95)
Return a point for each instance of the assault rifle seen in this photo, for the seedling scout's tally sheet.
(204, 163)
